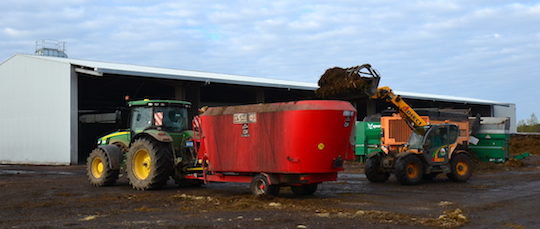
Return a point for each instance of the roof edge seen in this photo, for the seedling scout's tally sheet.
(200, 76)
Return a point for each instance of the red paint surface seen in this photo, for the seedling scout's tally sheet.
(284, 139)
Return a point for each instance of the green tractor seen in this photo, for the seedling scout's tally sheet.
(156, 146)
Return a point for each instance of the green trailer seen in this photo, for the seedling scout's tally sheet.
(491, 147)
(368, 139)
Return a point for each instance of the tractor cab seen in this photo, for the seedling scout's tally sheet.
(166, 115)
(436, 143)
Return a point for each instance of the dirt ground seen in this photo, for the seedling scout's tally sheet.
(524, 144)
(497, 196)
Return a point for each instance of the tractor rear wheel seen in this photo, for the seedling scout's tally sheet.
(260, 186)
(98, 169)
(460, 168)
(372, 169)
(305, 189)
(149, 164)
(409, 169)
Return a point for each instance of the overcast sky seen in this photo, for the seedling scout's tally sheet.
(481, 49)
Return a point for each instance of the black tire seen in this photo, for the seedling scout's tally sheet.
(305, 189)
(149, 164)
(260, 186)
(98, 169)
(461, 168)
(409, 169)
(372, 169)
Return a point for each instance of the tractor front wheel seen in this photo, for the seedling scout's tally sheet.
(461, 168)
(149, 164)
(260, 186)
(409, 169)
(98, 169)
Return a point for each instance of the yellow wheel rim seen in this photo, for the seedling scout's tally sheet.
(142, 164)
(462, 168)
(97, 167)
(412, 170)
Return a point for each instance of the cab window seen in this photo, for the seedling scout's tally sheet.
(141, 118)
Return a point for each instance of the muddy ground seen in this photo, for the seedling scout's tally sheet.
(524, 144)
(497, 196)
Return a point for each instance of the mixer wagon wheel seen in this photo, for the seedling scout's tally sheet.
(460, 168)
(98, 169)
(149, 164)
(305, 189)
(260, 186)
(409, 169)
(373, 172)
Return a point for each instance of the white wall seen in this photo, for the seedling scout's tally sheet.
(35, 111)
(507, 110)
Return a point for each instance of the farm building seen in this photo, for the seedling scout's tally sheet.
(46, 98)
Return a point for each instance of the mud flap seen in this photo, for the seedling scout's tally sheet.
(114, 153)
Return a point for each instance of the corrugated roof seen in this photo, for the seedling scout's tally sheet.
(167, 73)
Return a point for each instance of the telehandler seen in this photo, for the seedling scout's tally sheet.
(431, 149)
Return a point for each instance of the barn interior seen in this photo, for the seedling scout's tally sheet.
(102, 100)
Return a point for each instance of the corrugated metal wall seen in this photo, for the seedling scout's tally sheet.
(35, 111)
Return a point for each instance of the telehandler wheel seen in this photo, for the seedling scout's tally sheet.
(372, 169)
(409, 169)
(149, 164)
(305, 189)
(98, 169)
(260, 186)
(460, 167)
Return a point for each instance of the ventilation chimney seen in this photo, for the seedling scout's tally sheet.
(51, 48)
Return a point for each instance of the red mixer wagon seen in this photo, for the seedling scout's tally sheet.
(298, 144)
